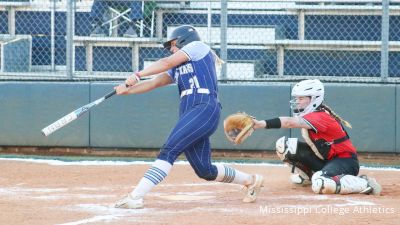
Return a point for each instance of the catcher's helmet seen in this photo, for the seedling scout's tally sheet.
(183, 35)
(310, 88)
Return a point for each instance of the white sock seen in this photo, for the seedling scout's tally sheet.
(157, 172)
(228, 174)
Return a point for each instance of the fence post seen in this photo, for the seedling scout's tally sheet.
(11, 20)
(224, 28)
(385, 41)
(301, 22)
(280, 60)
(159, 27)
(70, 41)
(209, 23)
(52, 35)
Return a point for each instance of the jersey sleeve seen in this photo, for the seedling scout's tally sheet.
(196, 50)
(170, 73)
(319, 121)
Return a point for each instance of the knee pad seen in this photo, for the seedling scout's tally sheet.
(300, 174)
(299, 179)
(340, 184)
(285, 147)
(323, 184)
(292, 151)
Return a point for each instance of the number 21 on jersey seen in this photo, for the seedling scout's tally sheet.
(194, 83)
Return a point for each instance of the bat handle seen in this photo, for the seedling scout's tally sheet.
(112, 93)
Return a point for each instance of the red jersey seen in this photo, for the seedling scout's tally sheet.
(324, 126)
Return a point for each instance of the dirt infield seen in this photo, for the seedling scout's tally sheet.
(53, 192)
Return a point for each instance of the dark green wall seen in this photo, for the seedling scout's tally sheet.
(145, 120)
(26, 108)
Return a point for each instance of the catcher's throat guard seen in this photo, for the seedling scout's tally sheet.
(238, 127)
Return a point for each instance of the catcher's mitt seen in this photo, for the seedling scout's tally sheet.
(238, 127)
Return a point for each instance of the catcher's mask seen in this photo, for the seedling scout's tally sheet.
(308, 88)
(183, 35)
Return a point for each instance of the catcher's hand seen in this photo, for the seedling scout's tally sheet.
(238, 127)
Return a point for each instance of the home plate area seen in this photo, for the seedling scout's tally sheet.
(49, 192)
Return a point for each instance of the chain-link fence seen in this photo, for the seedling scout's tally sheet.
(337, 40)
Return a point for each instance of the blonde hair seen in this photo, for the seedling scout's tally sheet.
(218, 60)
(335, 115)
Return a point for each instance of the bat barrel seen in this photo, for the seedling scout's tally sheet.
(73, 115)
(59, 123)
(45, 133)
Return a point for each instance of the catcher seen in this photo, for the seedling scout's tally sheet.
(327, 158)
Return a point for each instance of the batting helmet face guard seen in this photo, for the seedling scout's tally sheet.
(183, 35)
(307, 88)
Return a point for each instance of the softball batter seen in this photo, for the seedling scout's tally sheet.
(192, 67)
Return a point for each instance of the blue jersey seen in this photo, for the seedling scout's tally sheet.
(199, 110)
(196, 78)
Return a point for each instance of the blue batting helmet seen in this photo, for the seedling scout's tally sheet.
(183, 35)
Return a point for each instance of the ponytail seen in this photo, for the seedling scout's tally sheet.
(336, 116)
(218, 60)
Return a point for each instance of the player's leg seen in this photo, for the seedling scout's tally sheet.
(193, 126)
(300, 158)
(153, 176)
(339, 176)
(199, 157)
(189, 129)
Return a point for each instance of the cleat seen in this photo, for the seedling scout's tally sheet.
(254, 188)
(373, 186)
(130, 202)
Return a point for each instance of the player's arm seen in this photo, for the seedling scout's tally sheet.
(144, 86)
(282, 122)
(160, 66)
(165, 64)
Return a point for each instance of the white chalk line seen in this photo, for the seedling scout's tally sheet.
(106, 218)
(104, 213)
(54, 162)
